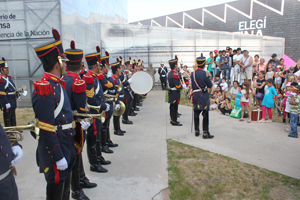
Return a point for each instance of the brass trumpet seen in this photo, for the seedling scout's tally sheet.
(100, 116)
(119, 87)
(14, 132)
(97, 108)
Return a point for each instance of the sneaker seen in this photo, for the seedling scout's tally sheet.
(227, 114)
(294, 136)
(276, 111)
(288, 129)
(269, 121)
(262, 121)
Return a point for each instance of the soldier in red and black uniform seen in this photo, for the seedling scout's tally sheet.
(95, 97)
(116, 71)
(76, 90)
(135, 96)
(128, 93)
(174, 91)
(56, 154)
(7, 95)
(109, 91)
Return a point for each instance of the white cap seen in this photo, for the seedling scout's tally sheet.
(161, 62)
(181, 62)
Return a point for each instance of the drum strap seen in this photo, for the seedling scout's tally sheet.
(98, 87)
(61, 103)
(196, 81)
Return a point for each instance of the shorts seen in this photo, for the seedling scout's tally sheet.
(245, 104)
(278, 81)
(247, 74)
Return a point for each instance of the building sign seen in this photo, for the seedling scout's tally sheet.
(13, 24)
(253, 27)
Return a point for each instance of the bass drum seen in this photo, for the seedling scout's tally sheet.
(142, 82)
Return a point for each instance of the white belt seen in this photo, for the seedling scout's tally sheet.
(198, 90)
(163, 75)
(109, 99)
(64, 127)
(10, 93)
(174, 88)
(4, 175)
(121, 95)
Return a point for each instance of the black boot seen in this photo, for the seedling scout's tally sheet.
(75, 182)
(54, 191)
(108, 140)
(197, 129)
(126, 121)
(174, 116)
(206, 134)
(79, 195)
(67, 185)
(84, 181)
(98, 168)
(120, 126)
(100, 158)
(13, 121)
(104, 147)
(103, 161)
(117, 129)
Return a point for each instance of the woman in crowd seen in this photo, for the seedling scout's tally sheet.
(245, 100)
(261, 66)
(286, 94)
(255, 64)
(218, 98)
(226, 107)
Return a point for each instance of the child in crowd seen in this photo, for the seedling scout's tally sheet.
(260, 88)
(218, 98)
(270, 73)
(288, 101)
(245, 99)
(286, 94)
(295, 111)
(278, 77)
(279, 102)
(289, 77)
(216, 82)
(238, 97)
(234, 90)
(224, 85)
(226, 107)
(268, 102)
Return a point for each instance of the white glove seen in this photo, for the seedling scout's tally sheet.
(85, 125)
(25, 93)
(130, 80)
(182, 71)
(109, 73)
(184, 86)
(17, 150)
(62, 164)
(117, 106)
(7, 105)
(107, 107)
(19, 98)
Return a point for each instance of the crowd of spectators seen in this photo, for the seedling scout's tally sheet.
(241, 81)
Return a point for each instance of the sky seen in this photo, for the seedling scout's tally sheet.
(145, 9)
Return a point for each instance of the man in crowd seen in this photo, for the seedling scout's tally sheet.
(224, 63)
(152, 71)
(209, 63)
(274, 61)
(237, 62)
(246, 66)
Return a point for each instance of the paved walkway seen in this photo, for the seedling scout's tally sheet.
(139, 165)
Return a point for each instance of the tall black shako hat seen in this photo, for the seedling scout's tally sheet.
(173, 62)
(105, 59)
(48, 52)
(115, 66)
(93, 58)
(127, 62)
(201, 61)
(3, 64)
(74, 55)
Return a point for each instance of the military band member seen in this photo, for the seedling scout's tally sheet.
(135, 66)
(76, 90)
(95, 97)
(116, 71)
(163, 71)
(56, 153)
(83, 70)
(152, 71)
(201, 103)
(128, 93)
(174, 92)
(10, 156)
(7, 95)
(109, 91)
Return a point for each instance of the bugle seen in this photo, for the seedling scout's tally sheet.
(21, 92)
(14, 132)
(100, 116)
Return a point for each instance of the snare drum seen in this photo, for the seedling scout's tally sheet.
(256, 115)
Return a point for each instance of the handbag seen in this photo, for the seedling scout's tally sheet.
(260, 96)
(236, 112)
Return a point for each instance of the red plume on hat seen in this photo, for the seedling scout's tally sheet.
(129, 58)
(3, 59)
(176, 57)
(106, 53)
(72, 44)
(139, 60)
(201, 54)
(55, 34)
(121, 58)
(118, 60)
(98, 49)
